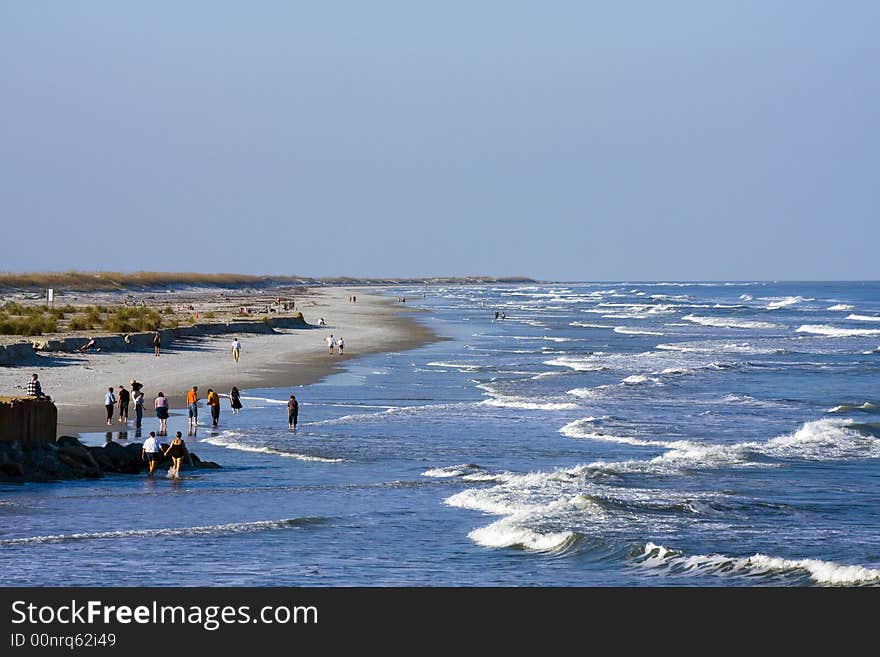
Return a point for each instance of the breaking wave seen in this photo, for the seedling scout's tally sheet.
(822, 572)
(725, 322)
(836, 332)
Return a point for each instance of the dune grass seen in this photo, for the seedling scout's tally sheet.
(17, 319)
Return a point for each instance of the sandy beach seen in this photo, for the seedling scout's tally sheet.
(289, 357)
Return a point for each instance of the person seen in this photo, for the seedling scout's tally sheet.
(331, 342)
(109, 403)
(340, 345)
(124, 401)
(503, 316)
(135, 386)
(292, 412)
(192, 403)
(138, 406)
(355, 298)
(161, 406)
(236, 348)
(321, 322)
(150, 452)
(88, 345)
(497, 314)
(214, 403)
(34, 389)
(157, 343)
(176, 450)
(235, 400)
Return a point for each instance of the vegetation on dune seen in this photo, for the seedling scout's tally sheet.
(18, 319)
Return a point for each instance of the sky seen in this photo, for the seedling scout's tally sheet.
(559, 140)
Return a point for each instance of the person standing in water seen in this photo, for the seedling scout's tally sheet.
(161, 406)
(340, 345)
(292, 412)
(236, 349)
(176, 450)
(214, 403)
(109, 403)
(192, 404)
(150, 452)
(124, 402)
(138, 406)
(235, 400)
(157, 343)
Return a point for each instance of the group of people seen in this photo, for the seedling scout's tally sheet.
(122, 400)
(335, 345)
(352, 299)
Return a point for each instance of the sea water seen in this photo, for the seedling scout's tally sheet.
(711, 434)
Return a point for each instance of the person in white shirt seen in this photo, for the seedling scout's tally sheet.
(340, 345)
(150, 452)
(331, 342)
(236, 349)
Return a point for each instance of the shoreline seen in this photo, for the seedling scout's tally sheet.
(285, 358)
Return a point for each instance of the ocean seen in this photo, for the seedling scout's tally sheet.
(600, 434)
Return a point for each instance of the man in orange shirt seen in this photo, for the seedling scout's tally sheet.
(192, 402)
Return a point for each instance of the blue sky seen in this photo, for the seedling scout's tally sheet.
(560, 140)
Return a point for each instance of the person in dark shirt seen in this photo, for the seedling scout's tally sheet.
(124, 399)
(292, 412)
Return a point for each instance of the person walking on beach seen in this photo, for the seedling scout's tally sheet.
(192, 404)
(214, 403)
(235, 400)
(176, 450)
(124, 402)
(292, 412)
(109, 403)
(340, 345)
(150, 452)
(138, 406)
(331, 342)
(161, 406)
(157, 343)
(236, 349)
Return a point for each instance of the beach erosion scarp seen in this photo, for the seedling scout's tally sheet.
(288, 353)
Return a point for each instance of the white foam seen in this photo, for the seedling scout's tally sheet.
(863, 318)
(633, 331)
(577, 364)
(725, 322)
(636, 379)
(506, 533)
(463, 367)
(523, 403)
(205, 530)
(782, 302)
(841, 306)
(583, 429)
(592, 326)
(822, 572)
(451, 471)
(835, 332)
(230, 443)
